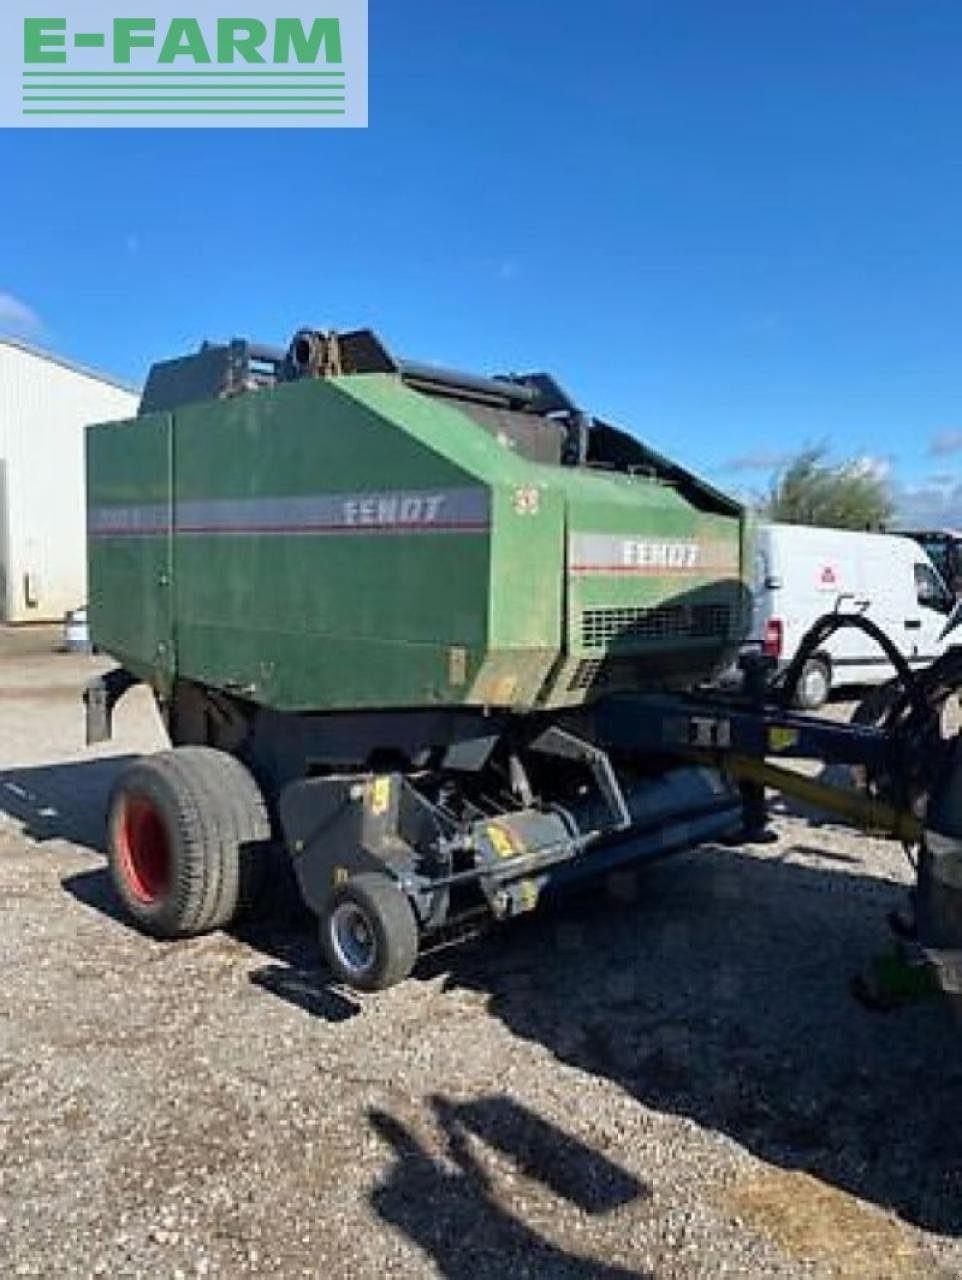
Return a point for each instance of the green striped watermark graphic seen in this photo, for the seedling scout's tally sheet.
(279, 68)
(108, 93)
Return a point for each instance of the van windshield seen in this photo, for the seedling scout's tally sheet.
(939, 554)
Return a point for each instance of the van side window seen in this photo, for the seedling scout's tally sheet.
(930, 590)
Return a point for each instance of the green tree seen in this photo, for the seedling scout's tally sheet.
(846, 495)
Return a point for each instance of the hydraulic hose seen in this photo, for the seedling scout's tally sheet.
(786, 684)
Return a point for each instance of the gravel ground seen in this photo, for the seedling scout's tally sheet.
(663, 1078)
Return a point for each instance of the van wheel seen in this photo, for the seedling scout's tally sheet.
(814, 686)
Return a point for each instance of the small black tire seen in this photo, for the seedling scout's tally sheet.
(814, 685)
(188, 835)
(369, 933)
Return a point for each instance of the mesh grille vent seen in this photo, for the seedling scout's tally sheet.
(599, 627)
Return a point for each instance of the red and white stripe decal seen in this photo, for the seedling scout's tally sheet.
(407, 512)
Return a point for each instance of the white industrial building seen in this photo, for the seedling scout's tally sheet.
(45, 403)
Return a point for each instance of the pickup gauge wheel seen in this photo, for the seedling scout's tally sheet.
(369, 934)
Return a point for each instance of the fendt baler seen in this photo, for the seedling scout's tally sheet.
(439, 634)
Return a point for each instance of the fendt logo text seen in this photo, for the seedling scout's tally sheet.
(91, 66)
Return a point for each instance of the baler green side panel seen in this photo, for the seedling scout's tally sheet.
(525, 585)
(526, 590)
(130, 603)
(630, 619)
(310, 618)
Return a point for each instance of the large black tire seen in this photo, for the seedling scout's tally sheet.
(375, 910)
(188, 839)
(814, 686)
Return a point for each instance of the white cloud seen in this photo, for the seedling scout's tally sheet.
(931, 505)
(758, 460)
(946, 443)
(16, 316)
(869, 465)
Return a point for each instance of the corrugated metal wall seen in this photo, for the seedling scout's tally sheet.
(44, 407)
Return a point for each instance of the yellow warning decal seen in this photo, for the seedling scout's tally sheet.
(529, 895)
(501, 840)
(379, 797)
(781, 739)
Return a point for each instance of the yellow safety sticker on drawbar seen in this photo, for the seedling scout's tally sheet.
(502, 841)
(529, 895)
(780, 739)
(380, 796)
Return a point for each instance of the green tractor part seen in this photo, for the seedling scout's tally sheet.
(444, 637)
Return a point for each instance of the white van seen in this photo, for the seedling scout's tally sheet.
(802, 573)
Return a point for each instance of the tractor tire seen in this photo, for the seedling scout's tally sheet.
(188, 838)
(369, 934)
(815, 685)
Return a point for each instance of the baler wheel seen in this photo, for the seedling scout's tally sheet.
(188, 833)
(369, 933)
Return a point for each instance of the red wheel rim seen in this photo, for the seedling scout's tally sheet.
(144, 849)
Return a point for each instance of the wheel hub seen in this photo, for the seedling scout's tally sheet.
(353, 938)
(814, 684)
(144, 850)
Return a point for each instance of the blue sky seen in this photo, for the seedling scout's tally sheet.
(733, 227)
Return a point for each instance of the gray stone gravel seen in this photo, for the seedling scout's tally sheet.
(666, 1077)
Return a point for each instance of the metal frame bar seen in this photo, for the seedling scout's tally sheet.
(680, 724)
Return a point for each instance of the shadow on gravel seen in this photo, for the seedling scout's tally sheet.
(62, 801)
(713, 986)
(716, 986)
(287, 933)
(721, 994)
(93, 889)
(283, 930)
(455, 1215)
(306, 990)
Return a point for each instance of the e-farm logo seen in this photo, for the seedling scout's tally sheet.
(147, 65)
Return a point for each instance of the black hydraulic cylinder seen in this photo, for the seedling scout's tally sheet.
(469, 383)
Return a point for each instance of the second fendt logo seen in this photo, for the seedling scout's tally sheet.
(280, 66)
(247, 41)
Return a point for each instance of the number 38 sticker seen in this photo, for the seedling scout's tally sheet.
(527, 501)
